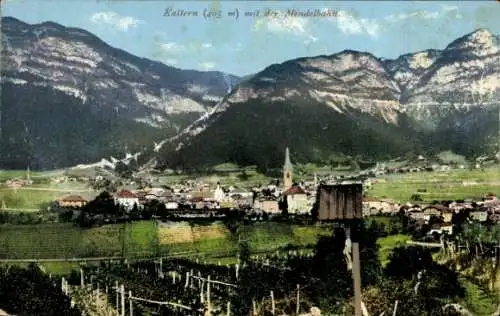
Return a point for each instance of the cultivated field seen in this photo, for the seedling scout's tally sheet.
(145, 238)
(455, 184)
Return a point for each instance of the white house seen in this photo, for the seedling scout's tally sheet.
(297, 200)
(127, 199)
(171, 205)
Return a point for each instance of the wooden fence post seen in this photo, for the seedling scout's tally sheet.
(228, 313)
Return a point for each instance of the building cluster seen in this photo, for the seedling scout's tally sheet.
(201, 196)
(480, 211)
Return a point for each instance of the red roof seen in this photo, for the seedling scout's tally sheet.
(438, 207)
(126, 194)
(294, 190)
(73, 198)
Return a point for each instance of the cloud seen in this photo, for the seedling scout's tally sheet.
(349, 24)
(172, 47)
(122, 23)
(206, 45)
(207, 65)
(446, 10)
(284, 24)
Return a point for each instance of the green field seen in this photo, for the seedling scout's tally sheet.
(146, 238)
(456, 184)
(38, 195)
(387, 244)
(10, 174)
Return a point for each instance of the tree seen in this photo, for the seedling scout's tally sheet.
(123, 170)
(417, 264)
(243, 176)
(283, 205)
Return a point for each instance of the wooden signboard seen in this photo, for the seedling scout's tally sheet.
(340, 202)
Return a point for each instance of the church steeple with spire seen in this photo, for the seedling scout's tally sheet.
(287, 171)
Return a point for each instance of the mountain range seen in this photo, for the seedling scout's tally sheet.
(69, 98)
(355, 104)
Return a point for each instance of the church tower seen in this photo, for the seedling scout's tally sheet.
(287, 171)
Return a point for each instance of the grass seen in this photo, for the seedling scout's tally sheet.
(387, 244)
(60, 268)
(36, 196)
(456, 184)
(9, 174)
(478, 300)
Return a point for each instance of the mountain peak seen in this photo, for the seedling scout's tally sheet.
(480, 42)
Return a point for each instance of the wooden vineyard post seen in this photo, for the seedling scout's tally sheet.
(187, 280)
(117, 299)
(273, 307)
(130, 303)
(343, 203)
(356, 274)
(298, 300)
(82, 282)
(161, 267)
(202, 295)
(208, 296)
(122, 290)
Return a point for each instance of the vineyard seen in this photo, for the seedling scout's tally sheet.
(270, 284)
(31, 292)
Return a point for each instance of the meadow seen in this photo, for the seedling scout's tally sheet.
(40, 194)
(454, 184)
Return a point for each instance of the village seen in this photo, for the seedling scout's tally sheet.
(196, 199)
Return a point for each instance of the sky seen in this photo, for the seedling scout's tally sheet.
(243, 45)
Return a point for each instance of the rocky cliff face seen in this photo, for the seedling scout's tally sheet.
(431, 100)
(343, 104)
(107, 83)
(454, 93)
